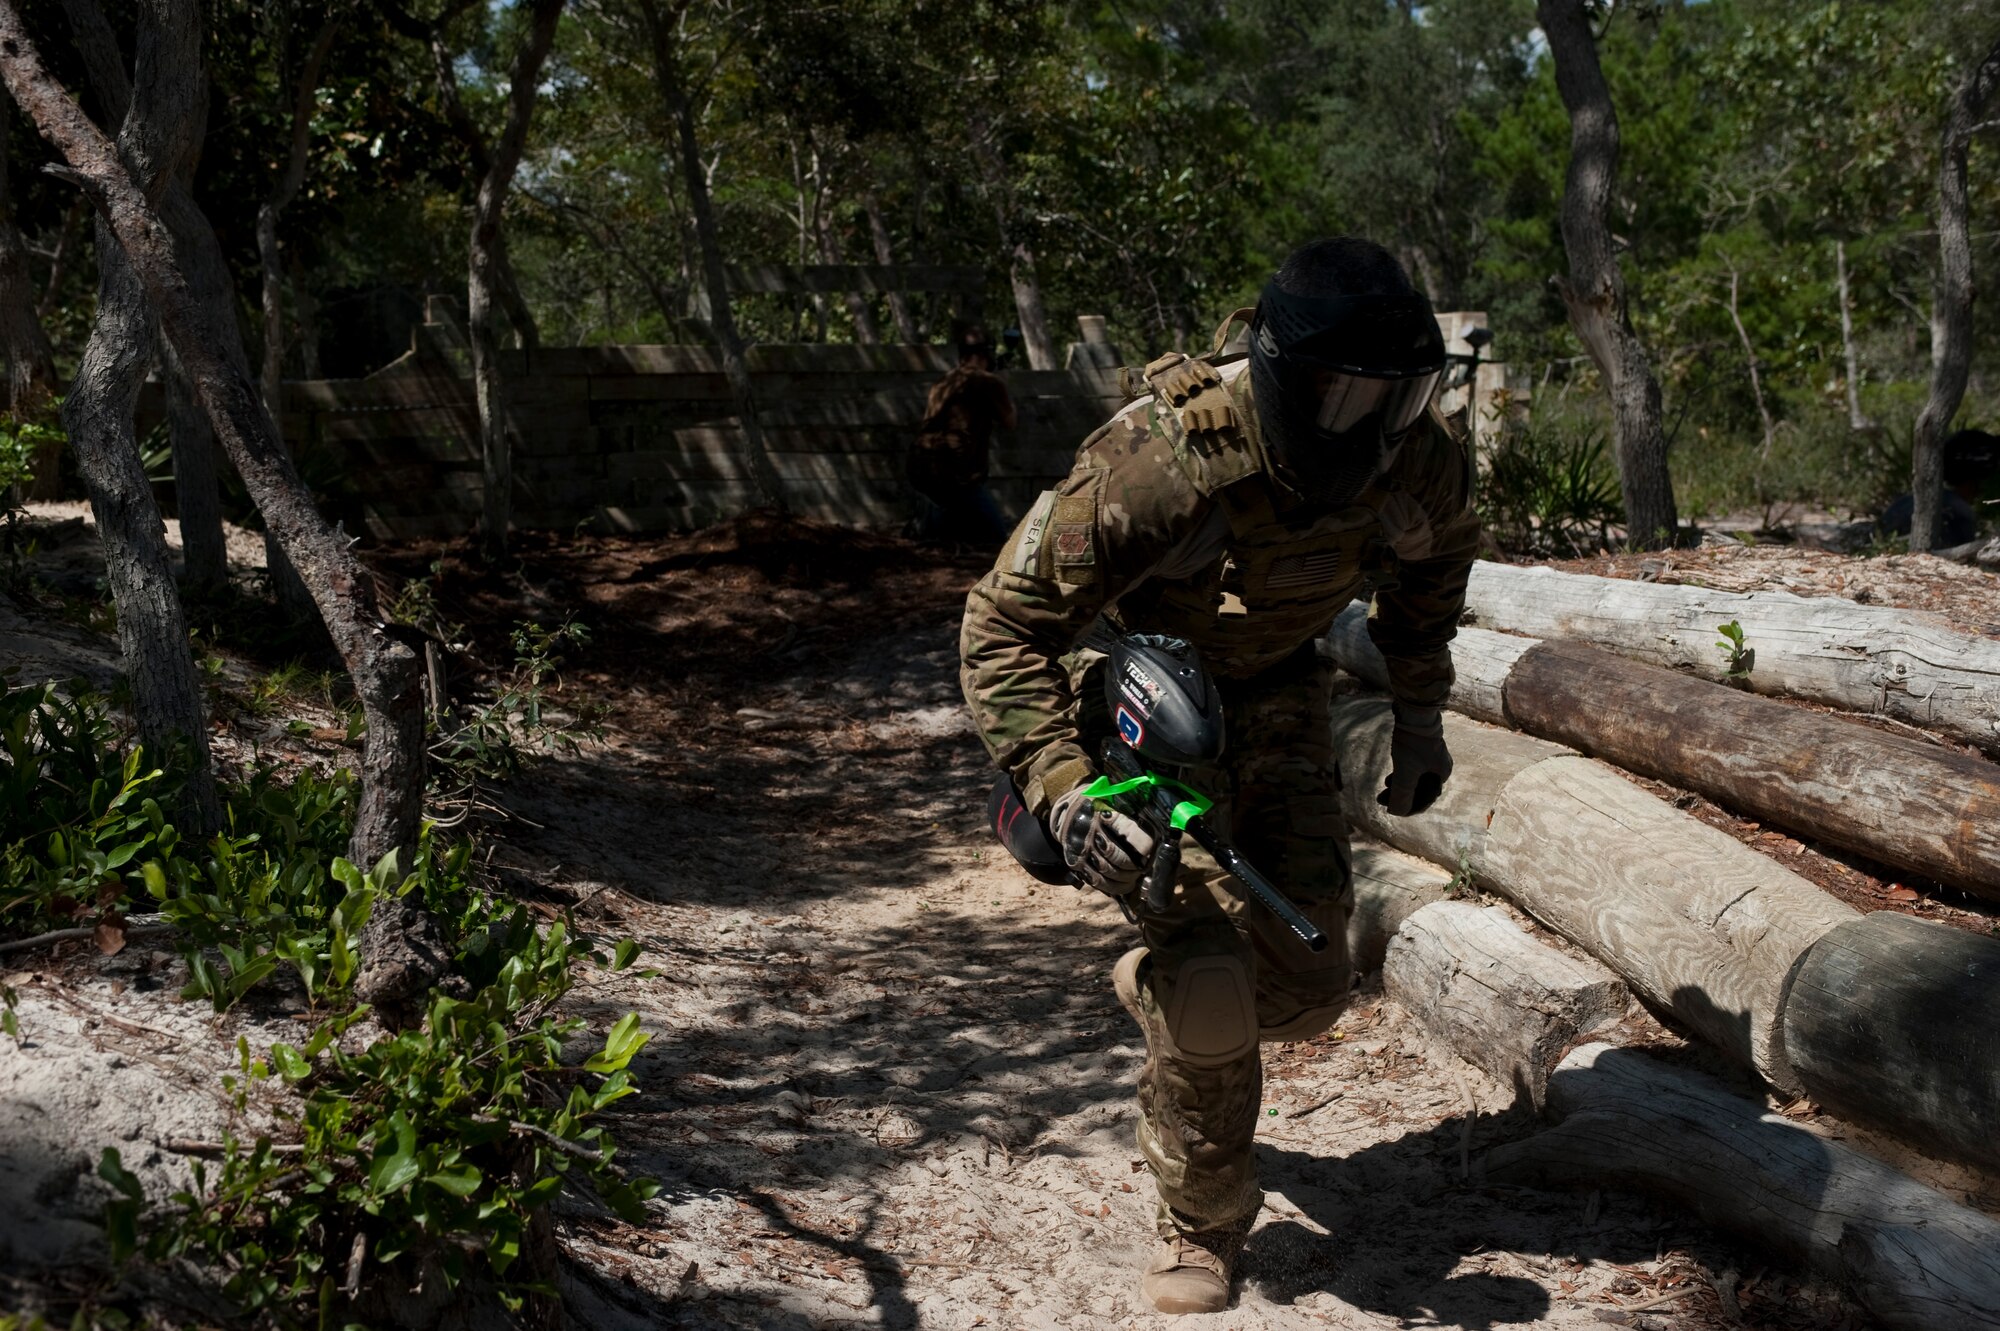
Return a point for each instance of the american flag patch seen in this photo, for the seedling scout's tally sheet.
(1303, 570)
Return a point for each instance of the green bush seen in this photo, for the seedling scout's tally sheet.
(88, 839)
(432, 1148)
(1549, 489)
(82, 816)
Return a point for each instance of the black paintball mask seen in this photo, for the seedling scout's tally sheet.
(1339, 381)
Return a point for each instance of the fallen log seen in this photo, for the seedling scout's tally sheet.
(1914, 1258)
(1389, 887)
(1701, 927)
(1897, 799)
(1895, 1022)
(1914, 667)
(1503, 1002)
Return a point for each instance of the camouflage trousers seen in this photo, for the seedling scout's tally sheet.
(1276, 794)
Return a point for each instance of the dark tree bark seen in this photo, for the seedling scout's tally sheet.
(174, 141)
(490, 278)
(282, 194)
(1028, 307)
(1594, 292)
(885, 254)
(31, 363)
(97, 412)
(197, 485)
(667, 76)
(385, 672)
(1951, 305)
(487, 274)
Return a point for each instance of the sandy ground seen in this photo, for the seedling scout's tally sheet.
(888, 1084)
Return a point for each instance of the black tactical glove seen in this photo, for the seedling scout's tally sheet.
(1420, 763)
(1102, 846)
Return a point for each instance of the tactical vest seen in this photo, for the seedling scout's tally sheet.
(1286, 569)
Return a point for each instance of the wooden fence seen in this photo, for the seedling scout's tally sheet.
(645, 438)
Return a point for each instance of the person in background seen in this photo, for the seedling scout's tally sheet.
(947, 464)
(1971, 458)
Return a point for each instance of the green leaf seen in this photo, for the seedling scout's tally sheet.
(626, 953)
(458, 1180)
(620, 1044)
(291, 1066)
(395, 1165)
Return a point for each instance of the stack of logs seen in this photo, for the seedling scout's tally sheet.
(1884, 1019)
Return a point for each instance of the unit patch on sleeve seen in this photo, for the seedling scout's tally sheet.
(1071, 541)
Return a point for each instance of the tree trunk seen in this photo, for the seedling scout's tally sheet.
(858, 310)
(169, 143)
(67, 240)
(152, 629)
(1917, 1260)
(1895, 1022)
(1904, 664)
(31, 365)
(197, 487)
(386, 675)
(1702, 928)
(885, 254)
(1500, 1000)
(303, 100)
(1594, 292)
(1856, 420)
(715, 280)
(1028, 307)
(97, 412)
(486, 258)
(1750, 359)
(1951, 306)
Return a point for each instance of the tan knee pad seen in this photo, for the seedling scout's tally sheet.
(1211, 1019)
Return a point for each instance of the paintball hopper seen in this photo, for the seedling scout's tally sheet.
(1162, 701)
(1025, 836)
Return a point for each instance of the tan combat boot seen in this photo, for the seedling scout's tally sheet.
(1189, 1273)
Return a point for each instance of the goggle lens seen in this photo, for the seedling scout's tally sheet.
(1350, 399)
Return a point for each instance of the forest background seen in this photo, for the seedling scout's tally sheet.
(1149, 160)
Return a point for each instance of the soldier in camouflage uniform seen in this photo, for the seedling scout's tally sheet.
(1239, 506)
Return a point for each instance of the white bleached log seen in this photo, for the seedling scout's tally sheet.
(1389, 887)
(1917, 1260)
(1902, 800)
(1494, 996)
(1700, 926)
(1915, 667)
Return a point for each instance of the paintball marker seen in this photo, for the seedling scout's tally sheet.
(1168, 716)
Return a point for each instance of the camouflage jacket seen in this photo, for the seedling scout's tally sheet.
(1173, 521)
